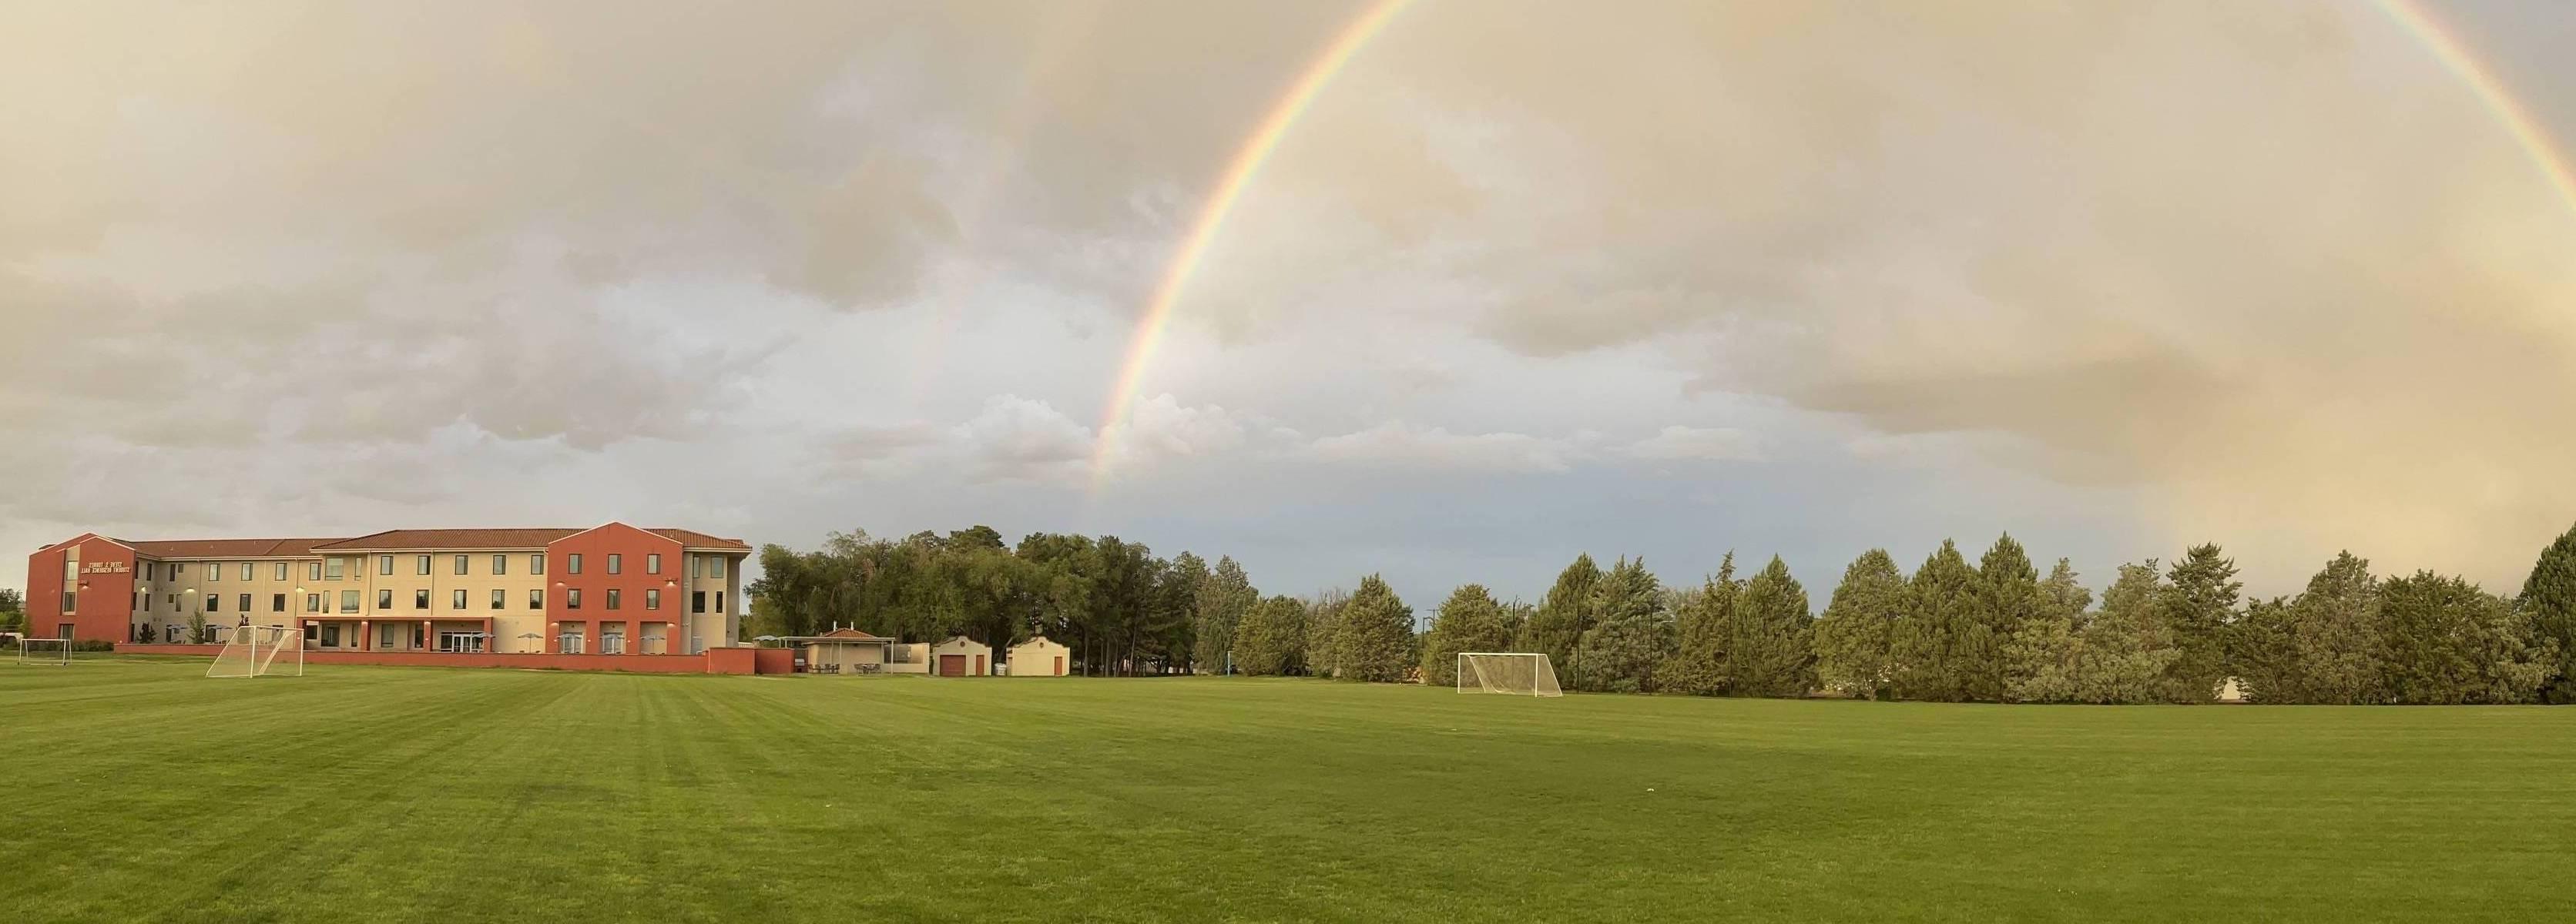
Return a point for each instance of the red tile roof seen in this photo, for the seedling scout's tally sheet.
(507, 539)
(227, 548)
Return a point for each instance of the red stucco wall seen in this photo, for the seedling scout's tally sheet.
(634, 547)
(103, 605)
(717, 661)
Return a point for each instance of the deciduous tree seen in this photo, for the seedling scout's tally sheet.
(2549, 599)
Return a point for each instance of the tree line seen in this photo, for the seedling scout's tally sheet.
(1991, 630)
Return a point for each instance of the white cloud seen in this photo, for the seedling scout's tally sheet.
(1397, 444)
(1710, 444)
(1020, 439)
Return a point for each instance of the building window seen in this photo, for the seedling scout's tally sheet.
(348, 601)
(456, 600)
(612, 598)
(331, 635)
(500, 565)
(697, 601)
(499, 598)
(720, 601)
(332, 568)
(384, 564)
(697, 645)
(385, 598)
(614, 562)
(652, 598)
(536, 564)
(313, 603)
(214, 603)
(313, 571)
(572, 599)
(69, 598)
(697, 566)
(653, 564)
(420, 564)
(611, 642)
(214, 572)
(244, 600)
(569, 641)
(170, 634)
(460, 563)
(281, 571)
(277, 603)
(572, 563)
(420, 599)
(715, 566)
(250, 571)
(537, 599)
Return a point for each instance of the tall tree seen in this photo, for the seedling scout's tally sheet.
(1561, 618)
(1630, 633)
(2007, 597)
(1271, 639)
(2196, 607)
(2336, 637)
(1855, 640)
(1943, 636)
(1704, 624)
(2448, 641)
(1374, 640)
(1222, 601)
(1469, 620)
(1324, 632)
(1771, 651)
(2549, 598)
(2127, 654)
(2043, 656)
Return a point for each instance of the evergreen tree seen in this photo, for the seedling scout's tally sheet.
(1630, 633)
(2196, 607)
(1856, 638)
(2447, 642)
(2337, 643)
(1223, 599)
(1373, 640)
(1704, 624)
(2549, 598)
(1942, 633)
(2126, 654)
(1560, 620)
(1772, 648)
(1469, 620)
(1271, 638)
(2043, 657)
(2007, 597)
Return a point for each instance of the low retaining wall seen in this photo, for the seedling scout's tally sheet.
(715, 661)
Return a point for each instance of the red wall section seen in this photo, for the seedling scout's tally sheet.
(675, 664)
(634, 548)
(104, 605)
(773, 660)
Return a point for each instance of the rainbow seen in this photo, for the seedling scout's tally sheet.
(1238, 175)
(2490, 91)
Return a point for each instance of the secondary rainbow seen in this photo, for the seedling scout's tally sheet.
(2491, 93)
(1238, 175)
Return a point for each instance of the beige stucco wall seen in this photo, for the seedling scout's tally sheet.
(846, 655)
(962, 646)
(911, 658)
(1036, 658)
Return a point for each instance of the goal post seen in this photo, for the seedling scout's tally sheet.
(51, 652)
(1510, 672)
(259, 651)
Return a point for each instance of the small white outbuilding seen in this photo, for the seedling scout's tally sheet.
(959, 656)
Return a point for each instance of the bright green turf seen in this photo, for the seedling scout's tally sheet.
(143, 792)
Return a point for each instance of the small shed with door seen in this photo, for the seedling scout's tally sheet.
(1040, 657)
(959, 656)
(843, 651)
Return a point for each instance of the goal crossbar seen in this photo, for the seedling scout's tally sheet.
(51, 652)
(1517, 673)
(260, 651)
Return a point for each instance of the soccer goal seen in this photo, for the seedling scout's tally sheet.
(260, 651)
(1516, 673)
(53, 652)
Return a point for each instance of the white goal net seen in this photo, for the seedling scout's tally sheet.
(1516, 673)
(260, 651)
(53, 651)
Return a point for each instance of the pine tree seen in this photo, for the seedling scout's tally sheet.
(1271, 638)
(2127, 655)
(1856, 638)
(2043, 657)
(1942, 633)
(1373, 640)
(2007, 597)
(2197, 605)
(1222, 600)
(2337, 635)
(1772, 648)
(1560, 620)
(2549, 599)
(2263, 653)
(2448, 642)
(1324, 633)
(1703, 625)
(1630, 635)
(1469, 620)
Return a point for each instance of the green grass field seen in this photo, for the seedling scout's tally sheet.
(140, 791)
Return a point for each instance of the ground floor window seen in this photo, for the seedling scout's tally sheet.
(569, 642)
(697, 645)
(331, 636)
(612, 643)
(170, 633)
(461, 642)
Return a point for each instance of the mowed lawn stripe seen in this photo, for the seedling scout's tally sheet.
(149, 792)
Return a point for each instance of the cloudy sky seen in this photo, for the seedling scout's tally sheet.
(1526, 279)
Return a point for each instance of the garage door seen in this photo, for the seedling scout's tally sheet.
(952, 665)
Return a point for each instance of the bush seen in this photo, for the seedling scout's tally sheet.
(91, 644)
